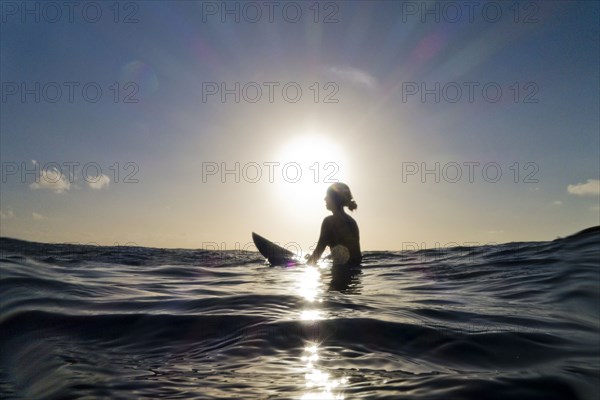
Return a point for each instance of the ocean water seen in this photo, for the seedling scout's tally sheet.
(511, 321)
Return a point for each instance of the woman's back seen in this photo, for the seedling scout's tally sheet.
(343, 238)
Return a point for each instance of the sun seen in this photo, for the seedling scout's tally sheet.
(308, 164)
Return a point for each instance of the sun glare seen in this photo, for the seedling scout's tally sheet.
(309, 163)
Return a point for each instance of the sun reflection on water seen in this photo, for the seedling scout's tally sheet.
(308, 284)
(319, 383)
(311, 315)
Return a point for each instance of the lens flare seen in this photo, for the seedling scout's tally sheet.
(141, 75)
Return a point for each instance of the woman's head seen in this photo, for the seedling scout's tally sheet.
(339, 196)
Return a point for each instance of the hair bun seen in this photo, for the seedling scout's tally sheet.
(352, 205)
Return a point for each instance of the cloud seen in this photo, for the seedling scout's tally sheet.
(590, 188)
(8, 214)
(38, 216)
(557, 203)
(53, 180)
(99, 182)
(354, 75)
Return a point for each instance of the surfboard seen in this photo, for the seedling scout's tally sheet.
(276, 254)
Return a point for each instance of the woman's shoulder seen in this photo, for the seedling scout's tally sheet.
(339, 221)
(328, 220)
(350, 219)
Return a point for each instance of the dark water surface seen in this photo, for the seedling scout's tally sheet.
(512, 321)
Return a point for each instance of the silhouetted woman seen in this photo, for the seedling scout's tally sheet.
(339, 231)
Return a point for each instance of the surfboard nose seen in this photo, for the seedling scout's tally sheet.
(276, 254)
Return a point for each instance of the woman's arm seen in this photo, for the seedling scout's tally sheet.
(321, 244)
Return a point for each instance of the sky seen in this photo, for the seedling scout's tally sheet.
(191, 124)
